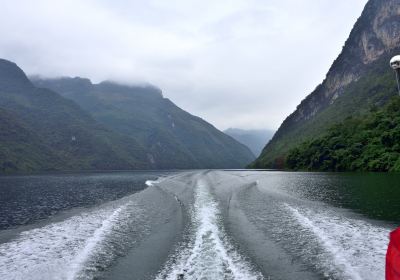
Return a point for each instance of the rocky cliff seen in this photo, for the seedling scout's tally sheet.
(373, 40)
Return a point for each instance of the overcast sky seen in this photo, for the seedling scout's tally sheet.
(235, 63)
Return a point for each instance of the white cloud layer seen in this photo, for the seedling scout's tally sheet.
(236, 63)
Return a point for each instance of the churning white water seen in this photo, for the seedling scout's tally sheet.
(188, 226)
(352, 249)
(209, 254)
(64, 250)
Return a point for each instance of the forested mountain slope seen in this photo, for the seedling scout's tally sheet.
(359, 79)
(171, 137)
(40, 130)
(365, 143)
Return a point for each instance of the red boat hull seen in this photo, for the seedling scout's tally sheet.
(393, 256)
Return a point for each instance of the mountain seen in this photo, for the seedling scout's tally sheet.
(171, 137)
(367, 143)
(359, 79)
(254, 139)
(40, 130)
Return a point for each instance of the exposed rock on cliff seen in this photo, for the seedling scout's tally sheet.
(374, 38)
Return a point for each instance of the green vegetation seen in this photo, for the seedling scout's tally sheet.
(373, 90)
(364, 143)
(170, 136)
(41, 131)
(112, 127)
(358, 80)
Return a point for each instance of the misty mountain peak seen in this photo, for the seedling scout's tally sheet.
(113, 86)
(12, 77)
(68, 85)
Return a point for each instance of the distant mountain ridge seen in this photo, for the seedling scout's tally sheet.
(114, 128)
(252, 138)
(40, 130)
(171, 137)
(359, 79)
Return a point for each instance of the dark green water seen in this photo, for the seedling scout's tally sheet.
(375, 195)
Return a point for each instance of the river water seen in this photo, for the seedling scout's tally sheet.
(219, 224)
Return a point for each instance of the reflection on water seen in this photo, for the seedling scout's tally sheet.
(376, 195)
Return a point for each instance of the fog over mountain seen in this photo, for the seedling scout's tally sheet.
(103, 126)
(254, 139)
(234, 63)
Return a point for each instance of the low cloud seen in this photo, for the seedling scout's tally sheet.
(236, 63)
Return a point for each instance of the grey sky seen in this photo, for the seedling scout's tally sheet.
(236, 63)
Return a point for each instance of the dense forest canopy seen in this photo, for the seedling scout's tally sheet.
(365, 143)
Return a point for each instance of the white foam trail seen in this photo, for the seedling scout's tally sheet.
(151, 183)
(209, 254)
(353, 248)
(60, 250)
(89, 248)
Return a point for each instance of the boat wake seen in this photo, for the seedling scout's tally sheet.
(208, 254)
(72, 249)
(202, 225)
(351, 249)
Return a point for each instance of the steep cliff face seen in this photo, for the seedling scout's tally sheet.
(374, 38)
